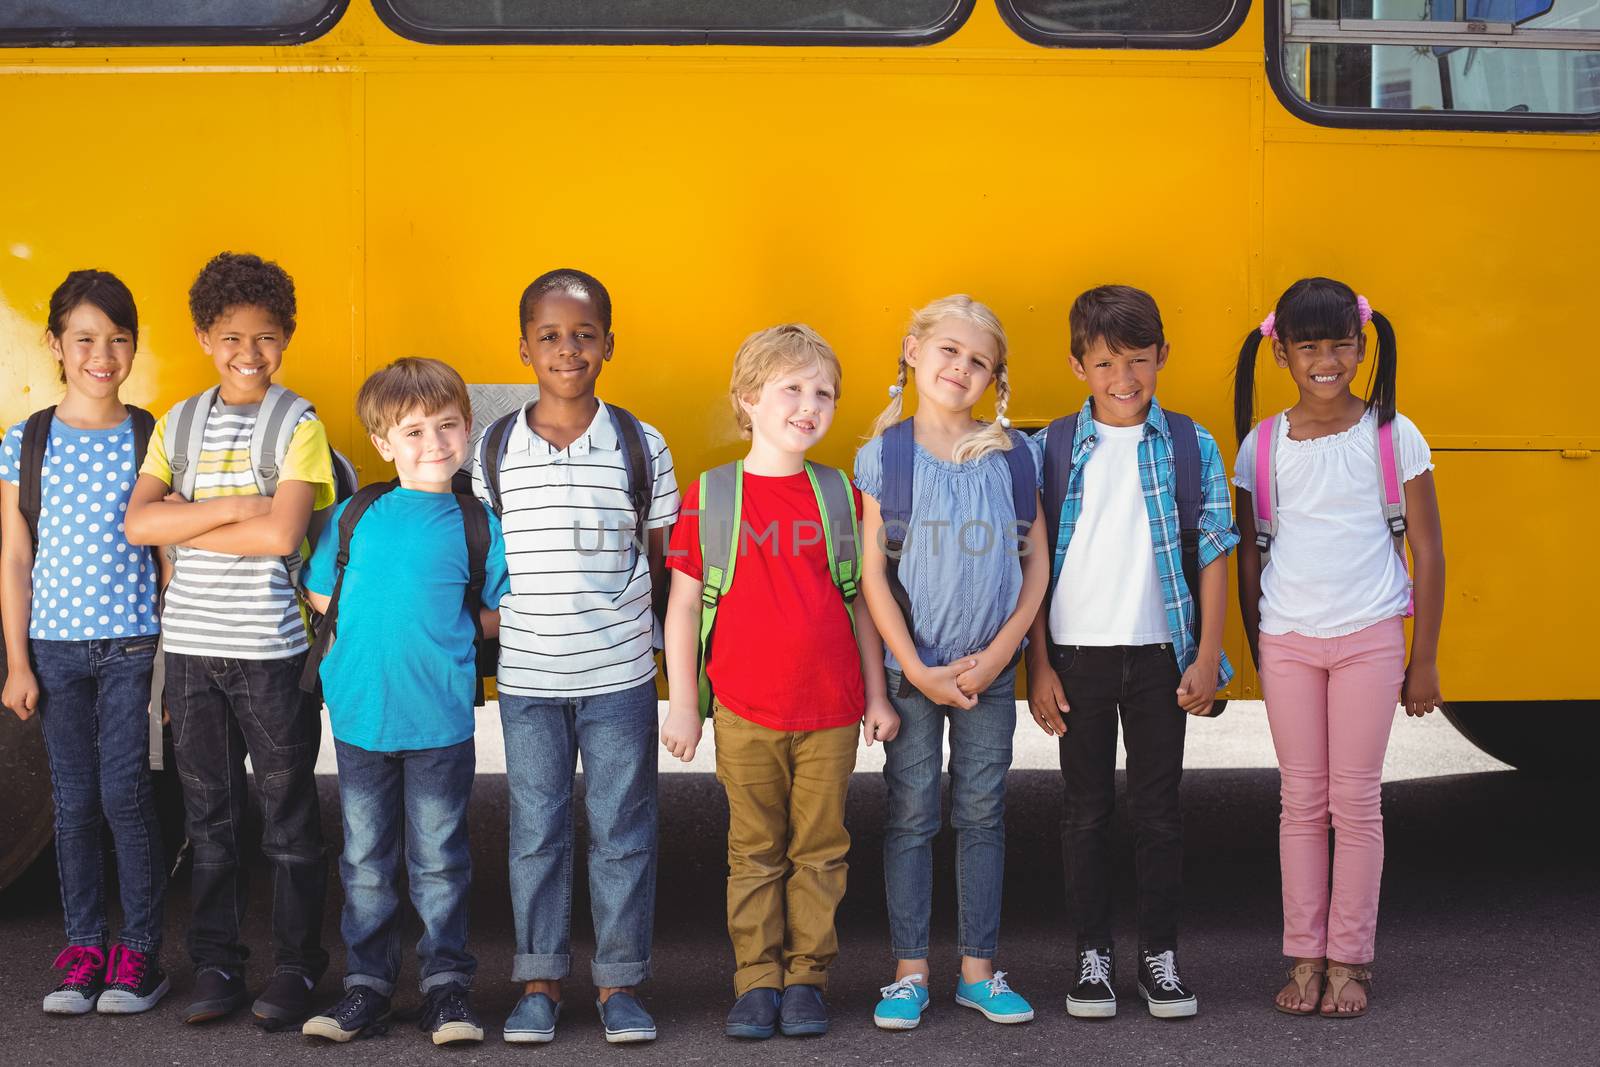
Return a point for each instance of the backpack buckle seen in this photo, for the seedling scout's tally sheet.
(1397, 525)
(1263, 541)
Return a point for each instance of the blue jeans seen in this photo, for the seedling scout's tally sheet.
(223, 710)
(616, 734)
(423, 795)
(93, 699)
(980, 756)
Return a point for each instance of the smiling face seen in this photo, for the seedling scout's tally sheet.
(794, 409)
(246, 344)
(566, 342)
(1122, 383)
(96, 355)
(426, 450)
(1324, 369)
(953, 363)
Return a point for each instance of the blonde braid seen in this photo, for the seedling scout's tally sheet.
(994, 437)
(891, 414)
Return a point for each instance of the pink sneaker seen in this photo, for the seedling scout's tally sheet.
(134, 982)
(86, 968)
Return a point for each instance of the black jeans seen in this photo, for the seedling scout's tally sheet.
(223, 709)
(1142, 682)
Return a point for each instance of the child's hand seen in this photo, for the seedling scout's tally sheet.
(1421, 691)
(986, 667)
(21, 693)
(940, 685)
(1047, 700)
(880, 723)
(681, 732)
(1197, 689)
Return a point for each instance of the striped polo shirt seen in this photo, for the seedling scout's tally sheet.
(577, 621)
(238, 607)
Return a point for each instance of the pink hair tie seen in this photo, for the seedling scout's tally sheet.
(1364, 309)
(1269, 325)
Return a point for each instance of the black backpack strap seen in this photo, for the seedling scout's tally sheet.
(495, 441)
(363, 498)
(475, 524)
(899, 463)
(1024, 480)
(30, 475)
(1186, 470)
(144, 427)
(636, 456)
(1057, 471)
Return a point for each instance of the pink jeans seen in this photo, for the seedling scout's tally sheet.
(1331, 702)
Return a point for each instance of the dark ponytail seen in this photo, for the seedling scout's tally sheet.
(1381, 397)
(1244, 385)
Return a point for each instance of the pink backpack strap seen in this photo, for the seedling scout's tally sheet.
(1394, 500)
(1264, 501)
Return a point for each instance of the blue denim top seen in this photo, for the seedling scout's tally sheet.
(960, 566)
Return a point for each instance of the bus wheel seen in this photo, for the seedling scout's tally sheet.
(1556, 737)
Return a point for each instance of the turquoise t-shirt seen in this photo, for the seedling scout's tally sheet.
(400, 674)
(88, 582)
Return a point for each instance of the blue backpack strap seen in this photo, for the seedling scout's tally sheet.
(899, 468)
(1186, 470)
(475, 525)
(311, 676)
(30, 471)
(496, 439)
(1024, 480)
(1057, 471)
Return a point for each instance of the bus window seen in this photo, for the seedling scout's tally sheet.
(1125, 23)
(129, 22)
(1490, 64)
(676, 21)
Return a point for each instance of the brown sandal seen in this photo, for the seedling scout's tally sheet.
(1340, 976)
(1302, 975)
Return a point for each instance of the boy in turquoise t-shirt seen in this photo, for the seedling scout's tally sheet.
(399, 678)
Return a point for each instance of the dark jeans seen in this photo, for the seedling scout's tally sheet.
(93, 699)
(222, 710)
(420, 796)
(1142, 682)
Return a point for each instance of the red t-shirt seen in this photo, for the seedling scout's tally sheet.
(783, 654)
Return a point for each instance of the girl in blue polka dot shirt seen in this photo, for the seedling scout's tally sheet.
(78, 604)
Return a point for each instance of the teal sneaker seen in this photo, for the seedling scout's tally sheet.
(995, 999)
(902, 1005)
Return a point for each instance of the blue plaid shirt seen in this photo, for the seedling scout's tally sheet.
(1158, 478)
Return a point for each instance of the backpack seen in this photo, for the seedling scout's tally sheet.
(899, 455)
(1188, 492)
(1390, 495)
(30, 493)
(281, 411)
(722, 521)
(475, 524)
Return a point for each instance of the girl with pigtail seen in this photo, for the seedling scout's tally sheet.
(953, 575)
(1331, 494)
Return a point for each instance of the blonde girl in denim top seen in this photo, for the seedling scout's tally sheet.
(973, 587)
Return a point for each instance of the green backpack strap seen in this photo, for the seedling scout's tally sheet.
(840, 528)
(721, 508)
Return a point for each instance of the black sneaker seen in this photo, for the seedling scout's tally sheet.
(285, 1002)
(1162, 989)
(216, 993)
(362, 1009)
(135, 982)
(447, 1015)
(1092, 997)
(83, 983)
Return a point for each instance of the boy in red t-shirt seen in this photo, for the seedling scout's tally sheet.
(786, 674)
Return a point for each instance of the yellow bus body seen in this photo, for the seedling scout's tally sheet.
(413, 190)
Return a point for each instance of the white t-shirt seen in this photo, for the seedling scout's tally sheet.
(1109, 592)
(1333, 569)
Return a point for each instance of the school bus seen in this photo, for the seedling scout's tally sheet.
(414, 163)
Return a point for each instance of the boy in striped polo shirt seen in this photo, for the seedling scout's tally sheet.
(577, 656)
(236, 641)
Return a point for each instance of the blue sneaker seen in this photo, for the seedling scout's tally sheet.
(903, 1004)
(533, 1020)
(995, 999)
(625, 1019)
(754, 1015)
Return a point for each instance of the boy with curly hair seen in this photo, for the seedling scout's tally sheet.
(235, 637)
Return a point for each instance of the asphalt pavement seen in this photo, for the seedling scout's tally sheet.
(1486, 945)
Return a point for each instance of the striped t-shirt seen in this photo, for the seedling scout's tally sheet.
(577, 621)
(238, 607)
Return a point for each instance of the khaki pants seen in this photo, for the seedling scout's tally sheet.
(786, 847)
